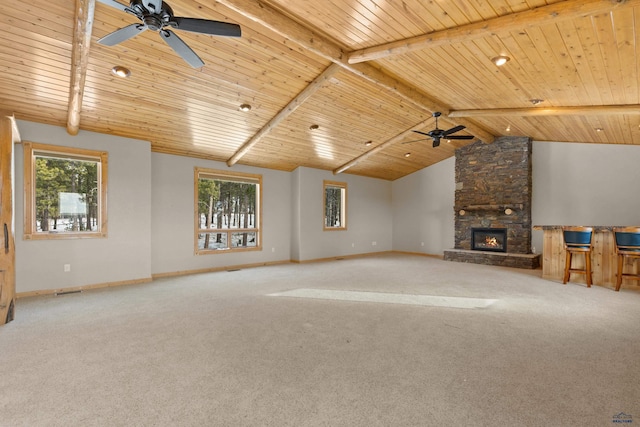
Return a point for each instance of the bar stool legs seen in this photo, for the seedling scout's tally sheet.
(627, 247)
(619, 275)
(587, 271)
(578, 240)
(567, 267)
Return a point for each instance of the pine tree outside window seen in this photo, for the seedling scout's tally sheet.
(335, 205)
(65, 192)
(228, 211)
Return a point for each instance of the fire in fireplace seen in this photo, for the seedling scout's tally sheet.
(489, 239)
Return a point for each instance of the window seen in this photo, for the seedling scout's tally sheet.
(65, 192)
(335, 205)
(228, 207)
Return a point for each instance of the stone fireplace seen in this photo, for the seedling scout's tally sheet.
(493, 204)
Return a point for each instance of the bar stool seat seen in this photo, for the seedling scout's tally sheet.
(627, 247)
(577, 240)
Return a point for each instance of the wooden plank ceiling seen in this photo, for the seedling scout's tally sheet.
(365, 72)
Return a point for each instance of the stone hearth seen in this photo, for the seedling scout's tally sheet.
(493, 190)
(530, 261)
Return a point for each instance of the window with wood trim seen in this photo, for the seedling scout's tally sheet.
(228, 211)
(335, 205)
(65, 192)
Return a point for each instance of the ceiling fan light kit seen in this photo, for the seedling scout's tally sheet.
(158, 16)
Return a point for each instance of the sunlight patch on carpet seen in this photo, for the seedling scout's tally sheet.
(425, 300)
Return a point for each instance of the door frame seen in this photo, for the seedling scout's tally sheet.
(8, 137)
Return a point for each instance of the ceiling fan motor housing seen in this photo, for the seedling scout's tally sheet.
(152, 22)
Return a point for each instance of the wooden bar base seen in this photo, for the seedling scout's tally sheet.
(603, 259)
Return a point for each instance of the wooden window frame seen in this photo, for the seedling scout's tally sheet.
(248, 178)
(31, 151)
(343, 210)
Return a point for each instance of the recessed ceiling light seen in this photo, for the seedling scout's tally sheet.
(120, 71)
(500, 60)
(508, 129)
(407, 154)
(368, 143)
(314, 127)
(536, 101)
(245, 107)
(599, 129)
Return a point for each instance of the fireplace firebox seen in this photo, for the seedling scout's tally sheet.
(489, 239)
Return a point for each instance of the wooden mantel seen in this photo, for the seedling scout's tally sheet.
(493, 207)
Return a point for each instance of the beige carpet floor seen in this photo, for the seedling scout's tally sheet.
(221, 349)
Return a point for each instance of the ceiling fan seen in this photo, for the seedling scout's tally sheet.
(436, 134)
(158, 16)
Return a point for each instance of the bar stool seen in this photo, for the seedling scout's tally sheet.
(577, 240)
(627, 246)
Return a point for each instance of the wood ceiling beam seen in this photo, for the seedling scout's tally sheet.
(413, 96)
(14, 126)
(543, 15)
(284, 26)
(312, 88)
(83, 26)
(380, 147)
(593, 110)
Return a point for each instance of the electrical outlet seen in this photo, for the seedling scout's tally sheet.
(67, 268)
(374, 243)
(273, 249)
(421, 243)
(353, 245)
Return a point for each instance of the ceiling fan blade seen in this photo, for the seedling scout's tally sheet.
(415, 140)
(453, 130)
(205, 26)
(114, 3)
(125, 33)
(421, 133)
(460, 137)
(153, 6)
(181, 48)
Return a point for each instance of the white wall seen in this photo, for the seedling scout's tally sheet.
(172, 216)
(423, 209)
(125, 254)
(573, 184)
(369, 216)
(584, 184)
(151, 220)
(294, 253)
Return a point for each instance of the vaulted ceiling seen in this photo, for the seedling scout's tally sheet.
(366, 73)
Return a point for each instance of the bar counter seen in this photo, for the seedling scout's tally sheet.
(603, 257)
